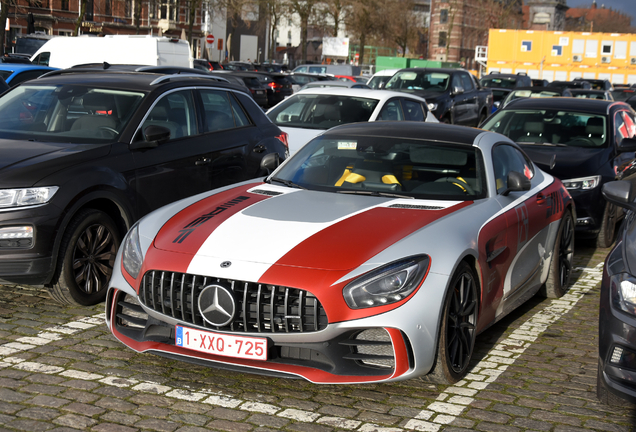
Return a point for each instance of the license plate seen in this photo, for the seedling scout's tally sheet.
(222, 344)
(259, 92)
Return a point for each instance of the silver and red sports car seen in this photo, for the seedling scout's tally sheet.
(377, 253)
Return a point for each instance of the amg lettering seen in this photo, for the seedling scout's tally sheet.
(189, 228)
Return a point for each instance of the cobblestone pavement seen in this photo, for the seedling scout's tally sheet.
(60, 369)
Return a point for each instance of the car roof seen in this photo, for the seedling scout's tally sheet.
(443, 70)
(358, 92)
(596, 106)
(406, 129)
(23, 66)
(386, 72)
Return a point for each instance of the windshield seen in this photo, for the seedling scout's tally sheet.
(66, 113)
(550, 127)
(408, 80)
(498, 82)
(321, 111)
(413, 168)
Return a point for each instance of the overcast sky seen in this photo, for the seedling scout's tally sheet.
(628, 7)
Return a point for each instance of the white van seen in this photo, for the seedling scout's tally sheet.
(333, 69)
(65, 52)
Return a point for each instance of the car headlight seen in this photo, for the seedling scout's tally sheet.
(386, 285)
(623, 287)
(26, 197)
(432, 106)
(583, 183)
(132, 257)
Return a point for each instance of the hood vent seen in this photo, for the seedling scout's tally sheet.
(415, 207)
(265, 192)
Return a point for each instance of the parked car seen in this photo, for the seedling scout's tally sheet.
(498, 80)
(540, 82)
(14, 74)
(333, 69)
(402, 242)
(309, 112)
(592, 94)
(453, 95)
(623, 93)
(535, 92)
(239, 66)
(577, 84)
(380, 78)
(229, 76)
(355, 79)
(86, 153)
(205, 64)
(335, 83)
(578, 141)
(271, 67)
(255, 86)
(597, 84)
(617, 311)
(277, 85)
(299, 79)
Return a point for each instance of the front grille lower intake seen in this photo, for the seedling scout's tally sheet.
(260, 308)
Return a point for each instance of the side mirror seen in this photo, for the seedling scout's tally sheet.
(627, 145)
(497, 104)
(457, 90)
(153, 136)
(270, 162)
(517, 182)
(620, 193)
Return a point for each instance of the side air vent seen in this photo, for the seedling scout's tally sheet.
(265, 192)
(415, 207)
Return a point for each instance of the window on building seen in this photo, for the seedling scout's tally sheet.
(88, 15)
(442, 39)
(108, 7)
(578, 46)
(168, 10)
(443, 16)
(591, 48)
(128, 8)
(620, 51)
(64, 5)
(606, 47)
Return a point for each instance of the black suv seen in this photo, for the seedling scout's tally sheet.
(505, 81)
(87, 152)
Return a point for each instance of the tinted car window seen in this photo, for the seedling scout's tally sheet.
(506, 159)
(176, 112)
(391, 111)
(625, 126)
(217, 108)
(419, 81)
(413, 110)
(499, 82)
(240, 118)
(467, 82)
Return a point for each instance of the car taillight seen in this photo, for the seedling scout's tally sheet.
(284, 138)
(274, 85)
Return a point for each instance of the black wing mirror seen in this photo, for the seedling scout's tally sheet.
(627, 145)
(517, 182)
(153, 136)
(270, 162)
(620, 193)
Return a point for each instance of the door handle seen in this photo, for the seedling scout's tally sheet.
(259, 148)
(541, 199)
(203, 161)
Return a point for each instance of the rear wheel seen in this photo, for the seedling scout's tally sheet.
(86, 259)
(561, 265)
(458, 327)
(608, 227)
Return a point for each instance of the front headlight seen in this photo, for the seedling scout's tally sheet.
(583, 183)
(386, 285)
(26, 197)
(624, 292)
(432, 106)
(132, 257)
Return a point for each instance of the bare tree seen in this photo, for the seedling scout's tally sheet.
(274, 10)
(305, 9)
(4, 13)
(80, 17)
(333, 13)
(137, 16)
(192, 7)
(366, 22)
(404, 26)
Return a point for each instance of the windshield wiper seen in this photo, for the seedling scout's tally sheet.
(546, 144)
(374, 193)
(288, 183)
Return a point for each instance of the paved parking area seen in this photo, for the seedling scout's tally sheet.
(61, 370)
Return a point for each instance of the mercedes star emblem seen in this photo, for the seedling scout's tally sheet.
(225, 264)
(217, 305)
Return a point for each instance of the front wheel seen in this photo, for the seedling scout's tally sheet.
(86, 259)
(458, 327)
(608, 227)
(561, 265)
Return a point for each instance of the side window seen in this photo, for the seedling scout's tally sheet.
(42, 59)
(413, 110)
(176, 112)
(625, 126)
(391, 111)
(240, 118)
(457, 82)
(25, 76)
(467, 82)
(218, 111)
(506, 159)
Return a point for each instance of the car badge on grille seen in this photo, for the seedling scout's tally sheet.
(226, 264)
(217, 305)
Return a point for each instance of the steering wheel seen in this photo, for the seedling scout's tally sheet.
(583, 140)
(460, 183)
(109, 129)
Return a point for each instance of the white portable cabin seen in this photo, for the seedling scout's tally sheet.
(65, 52)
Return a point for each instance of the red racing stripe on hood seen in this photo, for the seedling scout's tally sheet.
(350, 243)
(186, 231)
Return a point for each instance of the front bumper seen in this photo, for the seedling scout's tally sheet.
(617, 336)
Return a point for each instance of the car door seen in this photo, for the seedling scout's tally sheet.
(470, 98)
(460, 115)
(177, 168)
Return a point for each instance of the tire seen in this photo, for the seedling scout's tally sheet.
(458, 324)
(86, 259)
(446, 120)
(561, 264)
(608, 227)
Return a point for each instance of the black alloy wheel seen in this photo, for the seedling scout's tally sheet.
(608, 227)
(86, 259)
(562, 255)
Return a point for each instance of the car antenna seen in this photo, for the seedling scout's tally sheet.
(106, 65)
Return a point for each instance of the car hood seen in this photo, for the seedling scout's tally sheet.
(567, 162)
(23, 163)
(256, 229)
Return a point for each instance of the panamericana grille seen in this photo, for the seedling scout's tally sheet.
(260, 308)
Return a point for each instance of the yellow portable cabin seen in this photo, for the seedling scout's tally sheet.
(563, 56)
